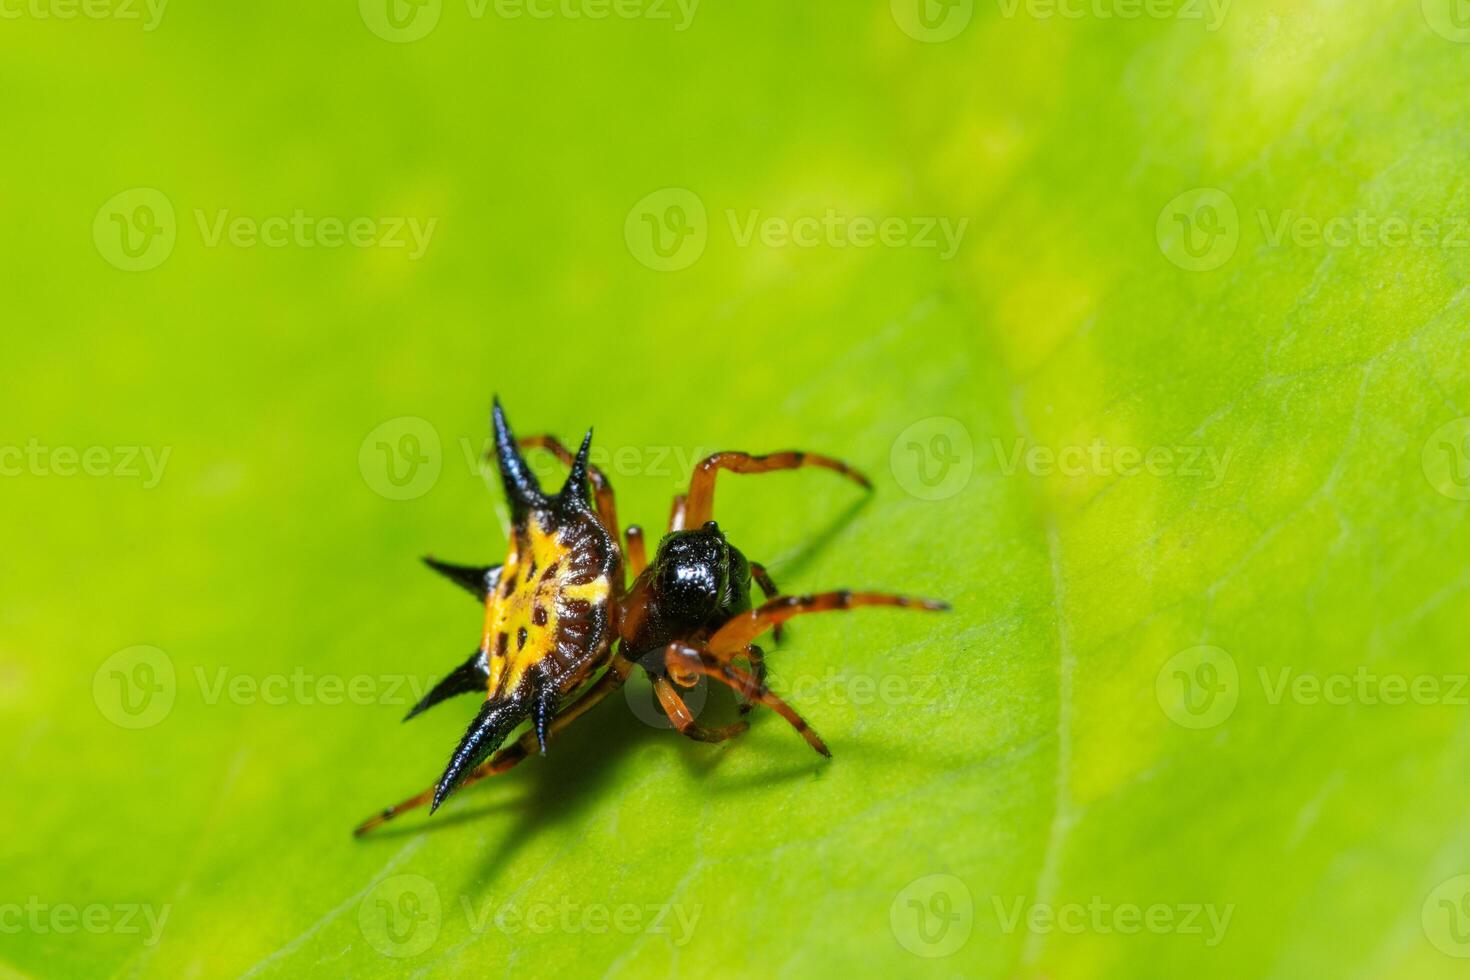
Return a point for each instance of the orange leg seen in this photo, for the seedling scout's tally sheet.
(685, 663)
(676, 513)
(602, 491)
(507, 758)
(635, 553)
(701, 502)
(683, 718)
(732, 638)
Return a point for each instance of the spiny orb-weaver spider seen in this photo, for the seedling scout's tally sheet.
(557, 611)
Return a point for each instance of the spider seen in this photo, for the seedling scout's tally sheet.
(558, 611)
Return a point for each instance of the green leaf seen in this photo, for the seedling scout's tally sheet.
(1154, 344)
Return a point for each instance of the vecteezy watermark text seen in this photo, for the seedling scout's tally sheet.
(1363, 686)
(676, 462)
(1363, 229)
(668, 230)
(943, 692)
(680, 13)
(137, 229)
(834, 229)
(96, 918)
(1200, 687)
(1210, 12)
(148, 12)
(138, 687)
(402, 458)
(307, 688)
(128, 462)
(1098, 458)
(569, 916)
(1200, 230)
(402, 916)
(404, 21)
(1204, 919)
(302, 230)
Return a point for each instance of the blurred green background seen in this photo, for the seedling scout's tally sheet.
(1148, 320)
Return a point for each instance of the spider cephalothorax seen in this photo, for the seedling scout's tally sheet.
(697, 581)
(557, 611)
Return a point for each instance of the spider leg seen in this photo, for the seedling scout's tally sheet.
(602, 491)
(700, 507)
(635, 552)
(763, 579)
(676, 512)
(735, 636)
(507, 758)
(684, 662)
(768, 587)
(757, 658)
(683, 719)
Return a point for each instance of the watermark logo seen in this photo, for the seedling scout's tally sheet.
(667, 230)
(401, 458)
(400, 21)
(934, 458)
(136, 230)
(1199, 230)
(1446, 917)
(933, 916)
(932, 21)
(1198, 687)
(135, 688)
(1446, 459)
(401, 916)
(1450, 19)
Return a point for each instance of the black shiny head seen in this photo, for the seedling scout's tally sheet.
(697, 581)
